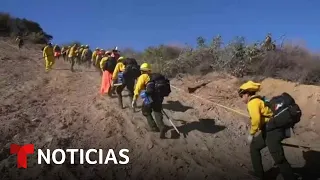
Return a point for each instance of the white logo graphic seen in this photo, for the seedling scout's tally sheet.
(278, 106)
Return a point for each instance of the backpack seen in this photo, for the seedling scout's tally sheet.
(132, 69)
(57, 48)
(286, 113)
(110, 65)
(158, 85)
(88, 55)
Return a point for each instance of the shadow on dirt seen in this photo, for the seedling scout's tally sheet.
(75, 70)
(57, 69)
(310, 171)
(203, 125)
(176, 106)
(193, 89)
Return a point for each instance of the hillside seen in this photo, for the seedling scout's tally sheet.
(64, 110)
(29, 30)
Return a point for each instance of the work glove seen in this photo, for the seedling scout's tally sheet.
(133, 103)
(250, 138)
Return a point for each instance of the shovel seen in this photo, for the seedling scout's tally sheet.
(163, 112)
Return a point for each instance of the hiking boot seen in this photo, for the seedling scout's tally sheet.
(113, 91)
(110, 92)
(151, 122)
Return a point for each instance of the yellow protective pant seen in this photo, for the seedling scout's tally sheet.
(49, 63)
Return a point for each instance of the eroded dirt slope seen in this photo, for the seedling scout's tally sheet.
(62, 109)
(222, 89)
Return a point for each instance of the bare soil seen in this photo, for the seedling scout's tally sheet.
(61, 109)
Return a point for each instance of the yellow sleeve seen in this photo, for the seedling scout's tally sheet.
(69, 52)
(84, 52)
(103, 60)
(44, 51)
(255, 115)
(141, 82)
(116, 71)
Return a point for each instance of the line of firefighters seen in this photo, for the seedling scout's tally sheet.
(113, 67)
(153, 87)
(82, 54)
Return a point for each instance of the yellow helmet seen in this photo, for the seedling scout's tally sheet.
(121, 58)
(145, 67)
(249, 86)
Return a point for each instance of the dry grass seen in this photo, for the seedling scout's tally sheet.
(290, 62)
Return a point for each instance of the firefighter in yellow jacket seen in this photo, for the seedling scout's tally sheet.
(259, 137)
(105, 59)
(120, 67)
(86, 56)
(99, 56)
(67, 53)
(48, 56)
(94, 56)
(72, 55)
(63, 52)
(19, 40)
(156, 124)
(77, 54)
(80, 50)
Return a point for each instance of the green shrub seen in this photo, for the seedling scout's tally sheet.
(29, 30)
(237, 58)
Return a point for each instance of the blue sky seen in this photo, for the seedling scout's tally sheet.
(141, 23)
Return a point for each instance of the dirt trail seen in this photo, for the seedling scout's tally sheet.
(61, 109)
